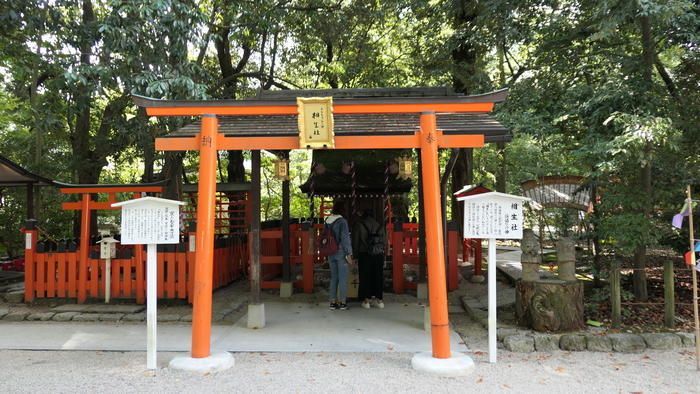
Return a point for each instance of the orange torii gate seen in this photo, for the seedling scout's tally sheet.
(427, 139)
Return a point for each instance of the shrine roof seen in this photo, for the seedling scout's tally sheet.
(12, 174)
(355, 124)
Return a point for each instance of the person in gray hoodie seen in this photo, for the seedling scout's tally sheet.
(339, 261)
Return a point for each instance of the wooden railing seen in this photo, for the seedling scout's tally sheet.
(56, 273)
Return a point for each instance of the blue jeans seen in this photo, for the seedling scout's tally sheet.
(339, 276)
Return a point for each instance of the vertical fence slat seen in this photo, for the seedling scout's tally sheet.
(140, 279)
(115, 288)
(182, 274)
(160, 280)
(61, 272)
(94, 277)
(40, 275)
(127, 265)
(72, 274)
(50, 275)
(170, 274)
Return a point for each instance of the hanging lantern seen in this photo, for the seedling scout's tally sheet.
(282, 169)
(405, 167)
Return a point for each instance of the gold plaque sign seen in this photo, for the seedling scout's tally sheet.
(315, 122)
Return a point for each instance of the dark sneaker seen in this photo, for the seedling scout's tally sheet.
(334, 306)
(343, 306)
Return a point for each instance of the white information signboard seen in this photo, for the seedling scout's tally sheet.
(150, 221)
(154, 221)
(493, 216)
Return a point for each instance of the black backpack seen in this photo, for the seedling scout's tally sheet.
(375, 242)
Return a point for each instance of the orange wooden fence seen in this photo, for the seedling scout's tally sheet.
(50, 274)
(55, 273)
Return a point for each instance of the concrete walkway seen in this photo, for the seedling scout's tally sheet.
(291, 327)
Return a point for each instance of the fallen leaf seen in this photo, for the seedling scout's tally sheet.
(478, 352)
(506, 386)
(461, 342)
(368, 358)
(207, 374)
(343, 365)
(146, 374)
(560, 369)
(646, 356)
(267, 373)
(480, 380)
(390, 347)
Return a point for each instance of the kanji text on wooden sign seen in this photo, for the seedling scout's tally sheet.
(316, 122)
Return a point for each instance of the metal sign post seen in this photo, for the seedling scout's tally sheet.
(493, 216)
(150, 221)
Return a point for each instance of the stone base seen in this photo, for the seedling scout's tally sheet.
(256, 315)
(477, 279)
(458, 365)
(422, 291)
(215, 362)
(286, 289)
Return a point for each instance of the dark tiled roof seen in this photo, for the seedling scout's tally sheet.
(356, 124)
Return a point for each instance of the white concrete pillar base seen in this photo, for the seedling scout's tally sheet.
(286, 289)
(215, 362)
(256, 316)
(458, 365)
(422, 291)
(477, 279)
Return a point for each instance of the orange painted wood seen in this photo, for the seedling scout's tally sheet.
(160, 280)
(397, 262)
(182, 275)
(72, 274)
(140, 274)
(41, 275)
(30, 266)
(337, 109)
(201, 310)
(267, 284)
(61, 273)
(116, 285)
(437, 291)
(95, 274)
(341, 142)
(127, 281)
(270, 259)
(170, 274)
(271, 234)
(50, 275)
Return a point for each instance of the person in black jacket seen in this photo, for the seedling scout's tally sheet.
(371, 264)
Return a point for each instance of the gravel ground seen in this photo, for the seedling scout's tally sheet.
(585, 372)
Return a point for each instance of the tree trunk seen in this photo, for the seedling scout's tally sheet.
(639, 278)
(549, 305)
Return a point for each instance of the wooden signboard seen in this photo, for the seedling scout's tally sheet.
(315, 122)
(493, 215)
(150, 221)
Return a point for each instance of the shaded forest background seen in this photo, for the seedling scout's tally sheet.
(604, 89)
